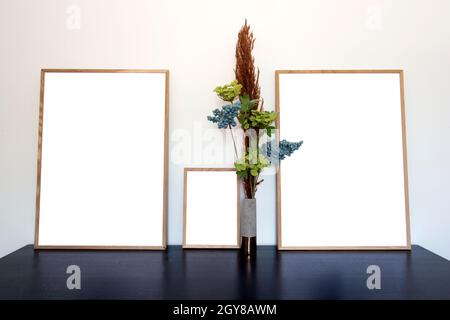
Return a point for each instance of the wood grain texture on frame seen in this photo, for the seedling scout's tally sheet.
(39, 161)
(238, 232)
(404, 151)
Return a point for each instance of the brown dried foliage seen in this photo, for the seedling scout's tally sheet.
(246, 73)
(248, 76)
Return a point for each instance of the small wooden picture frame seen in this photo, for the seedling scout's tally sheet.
(211, 208)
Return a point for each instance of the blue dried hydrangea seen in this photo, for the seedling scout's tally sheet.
(287, 148)
(226, 116)
(284, 149)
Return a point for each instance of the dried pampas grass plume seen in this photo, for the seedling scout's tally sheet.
(246, 73)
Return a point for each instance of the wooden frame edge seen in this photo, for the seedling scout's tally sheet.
(48, 70)
(408, 245)
(278, 167)
(166, 158)
(343, 248)
(207, 246)
(39, 162)
(83, 247)
(405, 161)
(339, 71)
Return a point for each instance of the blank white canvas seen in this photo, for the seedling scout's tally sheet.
(102, 173)
(211, 208)
(345, 187)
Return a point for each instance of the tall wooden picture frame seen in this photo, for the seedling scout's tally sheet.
(102, 165)
(348, 187)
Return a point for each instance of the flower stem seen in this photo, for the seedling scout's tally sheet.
(234, 143)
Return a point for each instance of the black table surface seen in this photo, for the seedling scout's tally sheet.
(224, 274)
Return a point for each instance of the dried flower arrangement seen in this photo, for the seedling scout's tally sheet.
(247, 107)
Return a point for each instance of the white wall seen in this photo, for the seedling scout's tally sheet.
(195, 40)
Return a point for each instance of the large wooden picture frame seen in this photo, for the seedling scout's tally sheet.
(309, 103)
(211, 212)
(109, 118)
